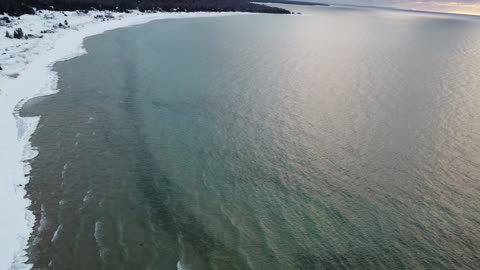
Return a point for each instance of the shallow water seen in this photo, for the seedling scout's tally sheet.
(342, 139)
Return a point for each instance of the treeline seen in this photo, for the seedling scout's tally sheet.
(293, 2)
(20, 7)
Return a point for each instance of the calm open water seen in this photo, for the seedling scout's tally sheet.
(342, 139)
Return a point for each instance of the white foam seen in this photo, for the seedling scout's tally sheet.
(65, 168)
(27, 73)
(181, 266)
(98, 234)
(55, 235)
(100, 204)
(87, 197)
(121, 240)
(41, 227)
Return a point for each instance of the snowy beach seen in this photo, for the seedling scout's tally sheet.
(26, 65)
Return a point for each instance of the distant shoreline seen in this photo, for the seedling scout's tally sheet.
(291, 2)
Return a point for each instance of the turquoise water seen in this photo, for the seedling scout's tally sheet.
(341, 139)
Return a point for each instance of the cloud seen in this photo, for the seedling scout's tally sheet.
(464, 6)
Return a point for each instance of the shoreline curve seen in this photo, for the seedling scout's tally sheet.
(33, 77)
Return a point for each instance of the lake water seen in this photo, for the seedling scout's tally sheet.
(345, 138)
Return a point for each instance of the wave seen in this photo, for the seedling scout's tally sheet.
(182, 266)
(98, 235)
(87, 197)
(57, 232)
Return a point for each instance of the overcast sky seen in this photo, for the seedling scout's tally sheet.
(455, 6)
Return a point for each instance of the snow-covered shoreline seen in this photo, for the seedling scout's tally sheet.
(27, 73)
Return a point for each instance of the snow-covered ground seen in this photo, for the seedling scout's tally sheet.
(27, 72)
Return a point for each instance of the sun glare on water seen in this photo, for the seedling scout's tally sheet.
(457, 7)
